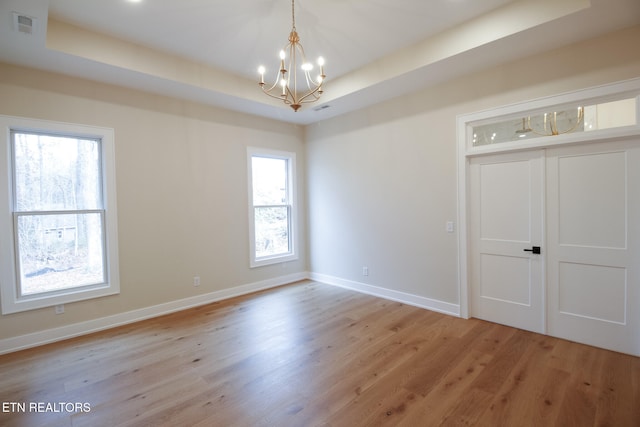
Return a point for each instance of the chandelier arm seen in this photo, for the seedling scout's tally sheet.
(312, 93)
(291, 82)
(312, 84)
(306, 80)
(273, 96)
(271, 88)
(554, 123)
(535, 131)
(578, 120)
(268, 93)
(290, 97)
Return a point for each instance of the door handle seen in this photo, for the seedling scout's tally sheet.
(534, 249)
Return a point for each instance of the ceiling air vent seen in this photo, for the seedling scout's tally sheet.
(23, 23)
(321, 107)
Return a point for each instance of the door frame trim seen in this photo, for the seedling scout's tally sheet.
(464, 152)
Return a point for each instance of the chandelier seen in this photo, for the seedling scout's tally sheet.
(293, 83)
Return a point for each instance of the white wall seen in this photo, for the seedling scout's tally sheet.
(382, 181)
(181, 189)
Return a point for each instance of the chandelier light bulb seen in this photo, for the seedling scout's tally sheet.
(307, 66)
(282, 55)
(321, 64)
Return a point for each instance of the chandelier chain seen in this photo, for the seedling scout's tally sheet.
(293, 15)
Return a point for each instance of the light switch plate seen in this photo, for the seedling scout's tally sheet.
(449, 226)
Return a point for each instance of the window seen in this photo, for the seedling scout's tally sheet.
(59, 194)
(271, 206)
(573, 118)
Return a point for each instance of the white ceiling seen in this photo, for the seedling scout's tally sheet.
(208, 50)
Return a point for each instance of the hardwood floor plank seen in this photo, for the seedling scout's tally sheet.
(549, 397)
(581, 398)
(525, 393)
(134, 405)
(450, 352)
(494, 338)
(336, 386)
(505, 359)
(440, 403)
(616, 372)
(315, 355)
(468, 409)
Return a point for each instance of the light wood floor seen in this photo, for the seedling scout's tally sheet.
(315, 355)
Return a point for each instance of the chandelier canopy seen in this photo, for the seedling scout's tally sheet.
(293, 83)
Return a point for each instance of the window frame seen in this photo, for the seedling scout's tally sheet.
(11, 299)
(291, 204)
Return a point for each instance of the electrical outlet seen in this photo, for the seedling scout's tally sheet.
(196, 280)
(59, 308)
(365, 271)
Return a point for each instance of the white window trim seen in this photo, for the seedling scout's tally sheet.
(293, 232)
(10, 300)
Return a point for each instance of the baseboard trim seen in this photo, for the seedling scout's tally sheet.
(48, 336)
(403, 297)
(22, 342)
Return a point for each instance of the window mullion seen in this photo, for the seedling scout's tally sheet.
(272, 206)
(63, 212)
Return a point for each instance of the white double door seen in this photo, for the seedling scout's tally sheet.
(580, 205)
